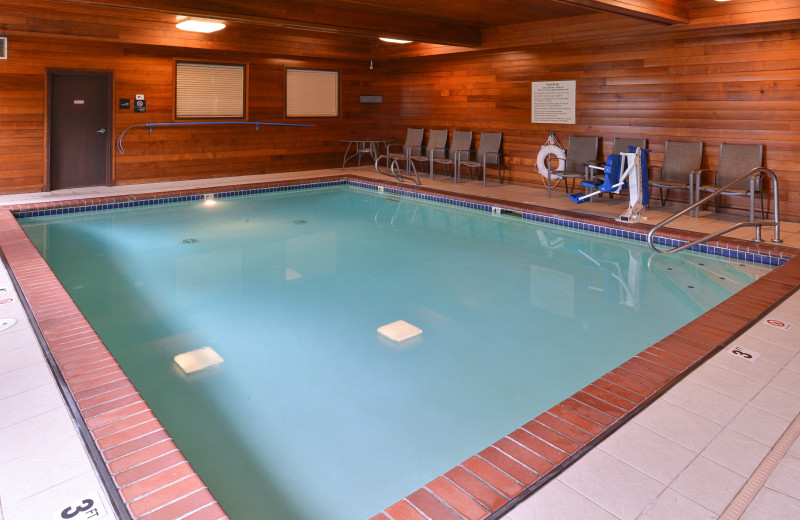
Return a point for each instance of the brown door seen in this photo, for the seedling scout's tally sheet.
(79, 130)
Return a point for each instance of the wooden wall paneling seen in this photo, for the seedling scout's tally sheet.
(723, 84)
(167, 153)
(714, 86)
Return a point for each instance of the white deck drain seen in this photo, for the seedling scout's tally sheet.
(737, 508)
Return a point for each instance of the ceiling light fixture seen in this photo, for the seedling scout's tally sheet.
(202, 26)
(393, 40)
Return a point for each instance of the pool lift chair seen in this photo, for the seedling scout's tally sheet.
(623, 171)
(620, 145)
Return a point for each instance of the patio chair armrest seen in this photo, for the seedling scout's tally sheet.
(699, 174)
(389, 147)
(431, 150)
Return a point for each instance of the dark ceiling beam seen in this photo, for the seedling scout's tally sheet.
(661, 11)
(299, 15)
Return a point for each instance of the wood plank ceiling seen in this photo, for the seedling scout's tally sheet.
(433, 21)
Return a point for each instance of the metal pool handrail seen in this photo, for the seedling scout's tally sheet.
(757, 223)
(151, 125)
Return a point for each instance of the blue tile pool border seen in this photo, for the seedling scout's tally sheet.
(727, 248)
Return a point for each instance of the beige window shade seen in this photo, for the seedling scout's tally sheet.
(312, 93)
(209, 90)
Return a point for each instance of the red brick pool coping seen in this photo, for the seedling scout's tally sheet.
(156, 482)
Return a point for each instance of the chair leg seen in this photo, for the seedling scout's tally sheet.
(661, 191)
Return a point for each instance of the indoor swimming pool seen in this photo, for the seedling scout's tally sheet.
(251, 328)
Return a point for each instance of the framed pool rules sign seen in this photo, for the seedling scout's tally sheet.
(553, 102)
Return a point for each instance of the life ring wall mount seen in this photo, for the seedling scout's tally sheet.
(551, 147)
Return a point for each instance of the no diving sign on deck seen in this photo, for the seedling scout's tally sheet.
(778, 324)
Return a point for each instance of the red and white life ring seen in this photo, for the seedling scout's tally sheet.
(546, 151)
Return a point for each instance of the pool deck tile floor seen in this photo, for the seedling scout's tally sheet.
(689, 451)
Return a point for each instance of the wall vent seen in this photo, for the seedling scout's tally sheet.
(3, 47)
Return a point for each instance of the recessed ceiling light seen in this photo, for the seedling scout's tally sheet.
(393, 40)
(202, 26)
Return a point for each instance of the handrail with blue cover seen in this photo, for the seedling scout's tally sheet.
(151, 125)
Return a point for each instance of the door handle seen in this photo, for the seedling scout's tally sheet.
(101, 131)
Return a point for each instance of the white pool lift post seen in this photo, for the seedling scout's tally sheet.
(625, 171)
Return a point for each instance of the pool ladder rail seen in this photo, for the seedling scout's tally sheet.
(754, 223)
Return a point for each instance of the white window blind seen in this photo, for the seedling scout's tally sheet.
(209, 90)
(312, 93)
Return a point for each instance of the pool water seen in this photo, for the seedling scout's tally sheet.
(308, 412)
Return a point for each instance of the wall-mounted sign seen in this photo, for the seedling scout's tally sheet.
(77, 101)
(553, 102)
(139, 106)
(124, 104)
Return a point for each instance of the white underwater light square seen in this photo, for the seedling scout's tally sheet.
(399, 331)
(196, 360)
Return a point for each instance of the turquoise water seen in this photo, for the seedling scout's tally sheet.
(312, 414)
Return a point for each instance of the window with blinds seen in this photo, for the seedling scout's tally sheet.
(312, 93)
(209, 90)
